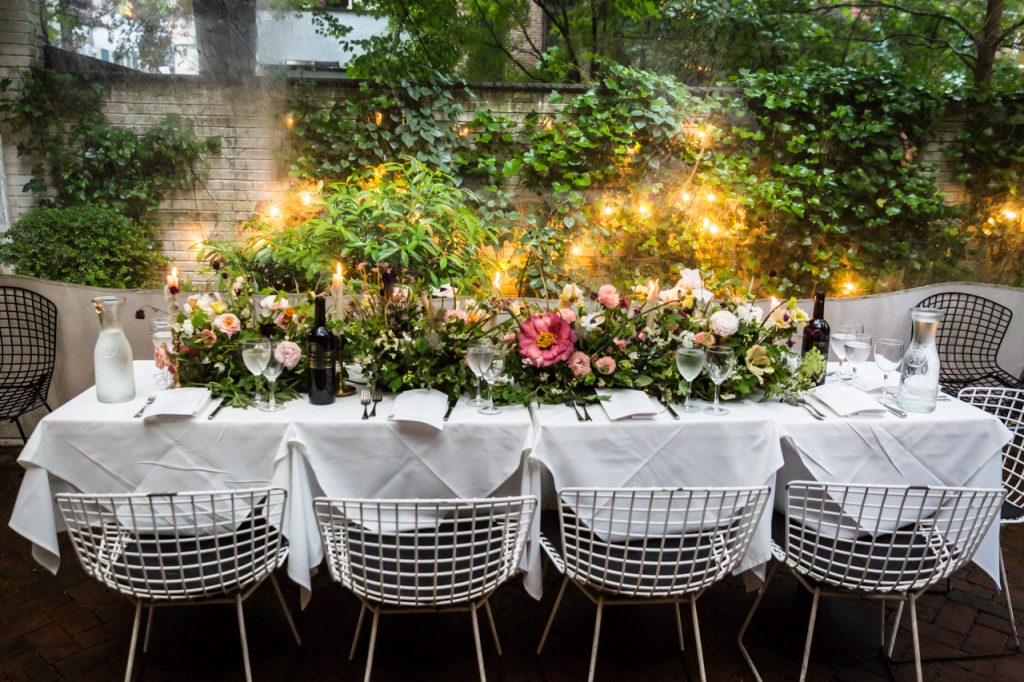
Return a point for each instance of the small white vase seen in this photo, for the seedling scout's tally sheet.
(115, 378)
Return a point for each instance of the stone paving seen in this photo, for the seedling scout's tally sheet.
(68, 627)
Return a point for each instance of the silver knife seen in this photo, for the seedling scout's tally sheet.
(451, 406)
(216, 410)
(668, 407)
(895, 410)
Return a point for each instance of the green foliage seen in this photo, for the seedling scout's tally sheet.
(84, 244)
(84, 159)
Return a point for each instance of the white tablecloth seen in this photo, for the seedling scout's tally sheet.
(309, 450)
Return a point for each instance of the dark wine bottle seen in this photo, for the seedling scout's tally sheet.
(321, 348)
(816, 332)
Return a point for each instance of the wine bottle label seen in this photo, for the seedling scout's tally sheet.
(321, 358)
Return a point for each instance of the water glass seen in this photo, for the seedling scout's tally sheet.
(256, 355)
(163, 340)
(720, 363)
(858, 350)
(837, 342)
(690, 362)
(888, 355)
(494, 370)
(479, 356)
(271, 371)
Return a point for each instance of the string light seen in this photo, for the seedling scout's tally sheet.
(378, 117)
(305, 198)
(644, 210)
(607, 210)
(289, 121)
(710, 196)
(575, 250)
(685, 196)
(849, 287)
(1010, 214)
(463, 131)
(274, 211)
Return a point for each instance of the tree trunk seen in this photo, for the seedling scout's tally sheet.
(988, 45)
(226, 37)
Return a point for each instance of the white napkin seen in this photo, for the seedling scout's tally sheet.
(420, 405)
(626, 403)
(179, 403)
(847, 401)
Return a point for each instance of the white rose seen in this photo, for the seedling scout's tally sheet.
(686, 341)
(690, 280)
(187, 329)
(724, 323)
(749, 314)
(669, 295)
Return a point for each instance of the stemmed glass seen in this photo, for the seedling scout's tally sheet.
(720, 361)
(857, 349)
(271, 371)
(690, 362)
(888, 355)
(256, 355)
(492, 372)
(160, 330)
(479, 356)
(838, 339)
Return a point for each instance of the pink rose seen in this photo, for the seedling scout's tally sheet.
(579, 363)
(605, 365)
(620, 344)
(508, 338)
(288, 354)
(704, 339)
(228, 323)
(209, 336)
(455, 314)
(568, 314)
(608, 296)
(641, 336)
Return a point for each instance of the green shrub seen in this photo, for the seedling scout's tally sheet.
(84, 244)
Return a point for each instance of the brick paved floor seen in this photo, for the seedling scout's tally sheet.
(67, 627)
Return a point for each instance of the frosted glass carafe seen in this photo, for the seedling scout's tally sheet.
(112, 358)
(919, 371)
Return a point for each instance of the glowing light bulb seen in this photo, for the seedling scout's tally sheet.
(305, 198)
(575, 250)
(607, 211)
(710, 196)
(497, 280)
(378, 117)
(685, 196)
(463, 131)
(274, 211)
(644, 210)
(849, 287)
(289, 121)
(1010, 214)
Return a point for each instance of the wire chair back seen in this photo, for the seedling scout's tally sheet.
(416, 553)
(878, 538)
(1008, 405)
(656, 542)
(177, 547)
(969, 337)
(28, 350)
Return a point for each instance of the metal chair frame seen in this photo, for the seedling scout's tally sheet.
(28, 352)
(171, 549)
(651, 545)
(1008, 405)
(969, 339)
(876, 542)
(423, 556)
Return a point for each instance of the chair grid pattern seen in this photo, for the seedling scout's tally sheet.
(28, 350)
(1008, 405)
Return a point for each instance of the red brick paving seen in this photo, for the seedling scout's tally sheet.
(66, 627)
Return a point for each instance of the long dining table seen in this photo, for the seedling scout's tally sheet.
(88, 446)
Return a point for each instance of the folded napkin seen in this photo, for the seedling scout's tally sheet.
(624, 403)
(420, 405)
(179, 403)
(846, 401)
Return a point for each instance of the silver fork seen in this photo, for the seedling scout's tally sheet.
(586, 415)
(149, 401)
(365, 400)
(376, 396)
(572, 404)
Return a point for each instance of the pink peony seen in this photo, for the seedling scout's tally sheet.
(228, 323)
(605, 365)
(567, 314)
(455, 314)
(288, 354)
(579, 363)
(608, 296)
(704, 339)
(209, 336)
(620, 343)
(545, 338)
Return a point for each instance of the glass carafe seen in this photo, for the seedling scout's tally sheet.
(919, 371)
(112, 358)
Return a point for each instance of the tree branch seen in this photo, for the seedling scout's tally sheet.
(498, 44)
(1008, 32)
(942, 16)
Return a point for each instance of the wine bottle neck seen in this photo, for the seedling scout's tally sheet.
(819, 307)
(320, 313)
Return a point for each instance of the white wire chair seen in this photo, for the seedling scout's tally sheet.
(1008, 405)
(876, 541)
(658, 545)
(212, 547)
(405, 556)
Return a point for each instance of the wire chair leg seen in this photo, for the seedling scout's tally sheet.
(881, 628)
(21, 431)
(917, 642)
(1009, 601)
(895, 629)
(245, 641)
(359, 631)
(551, 618)
(750, 618)
(47, 406)
(597, 637)
(284, 607)
(696, 639)
(494, 628)
(810, 634)
(150, 613)
(135, 640)
(476, 640)
(373, 644)
(679, 627)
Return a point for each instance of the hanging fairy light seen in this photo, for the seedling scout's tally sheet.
(1009, 214)
(274, 211)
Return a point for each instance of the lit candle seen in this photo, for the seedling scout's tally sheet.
(497, 284)
(171, 291)
(172, 279)
(337, 292)
(775, 303)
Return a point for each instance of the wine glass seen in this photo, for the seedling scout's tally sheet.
(492, 372)
(163, 340)
(478, 356)
(690, 362)
(271, 371)
(888, 355)
(720, 361)
(256, 355)
(858, 349)
(837, 341)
